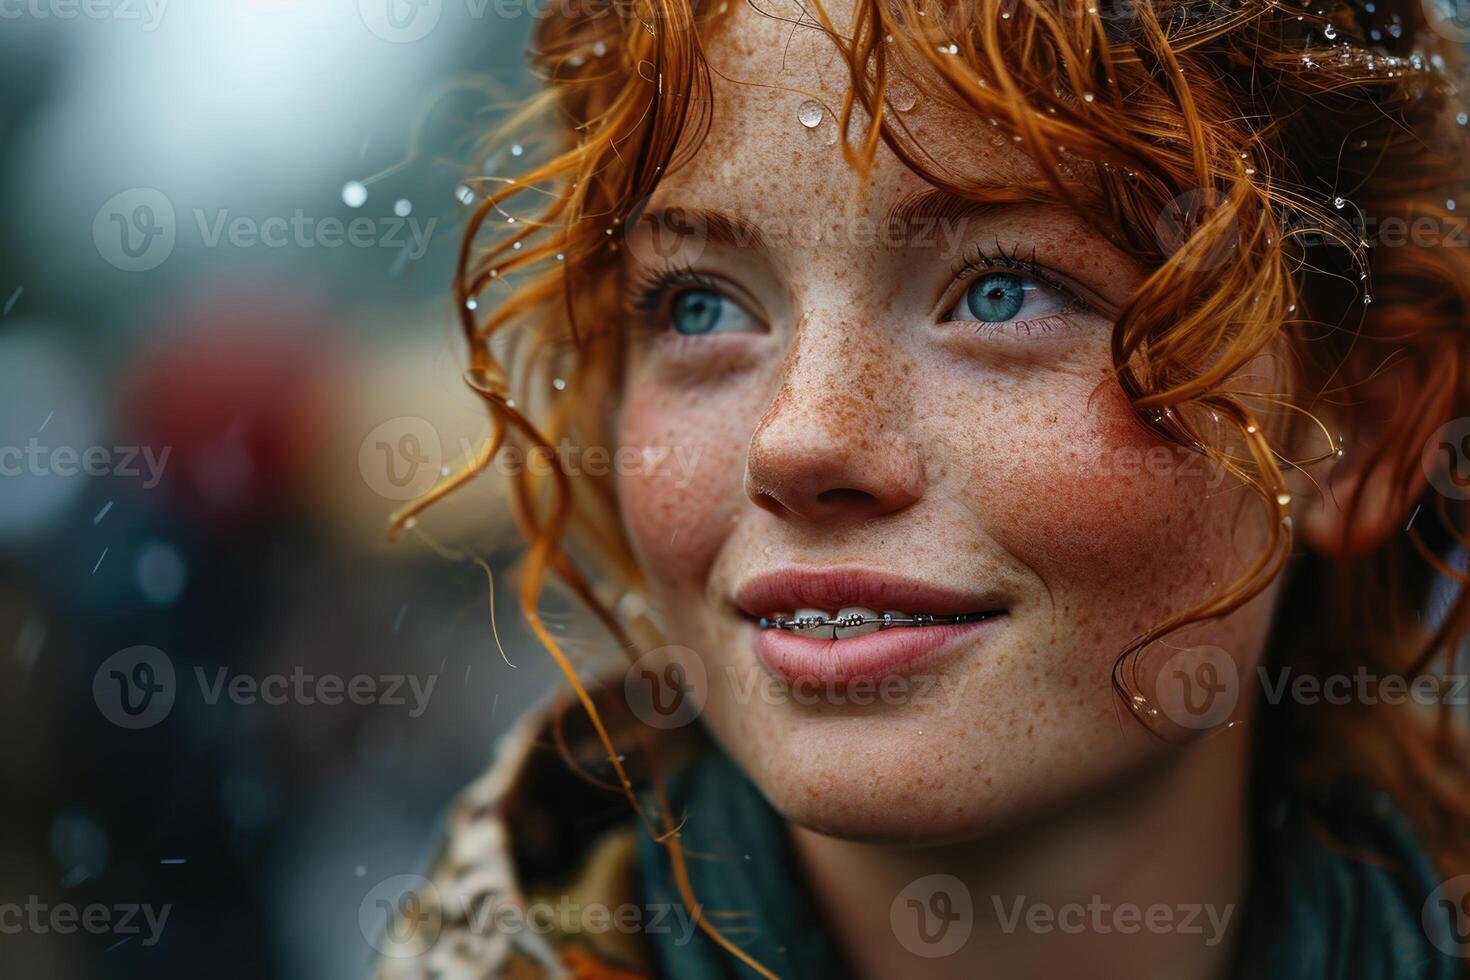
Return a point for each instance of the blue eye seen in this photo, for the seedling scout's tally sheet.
(996, 297)
(701, 311)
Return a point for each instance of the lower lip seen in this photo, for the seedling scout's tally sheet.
(899, 651)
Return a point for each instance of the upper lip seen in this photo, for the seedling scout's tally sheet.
(830, 589)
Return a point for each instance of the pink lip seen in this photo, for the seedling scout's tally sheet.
(798, 658)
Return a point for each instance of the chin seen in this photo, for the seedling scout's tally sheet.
(908, 776)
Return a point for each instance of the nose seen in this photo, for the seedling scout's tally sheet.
(833, 444)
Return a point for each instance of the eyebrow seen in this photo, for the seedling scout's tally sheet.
(720, 227)
(938, 204)
(920, 209)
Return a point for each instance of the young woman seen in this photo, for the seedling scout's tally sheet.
(1017, 445)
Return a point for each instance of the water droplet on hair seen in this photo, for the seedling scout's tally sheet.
(1450, 204)
(403, 207)
(1338, 202)
(598, 49)
(354, 194)
(1251, 428)
(560, 384)
(1330, 32)
(901, 94)
(516, 246)
(472, 304)
(464, 195)
(1088, 97)
(1462, 118)
(1284, 499)
(810, 114)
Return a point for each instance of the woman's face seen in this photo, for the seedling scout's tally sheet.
(897, 403)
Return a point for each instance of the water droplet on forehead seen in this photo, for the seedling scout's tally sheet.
(810, 114)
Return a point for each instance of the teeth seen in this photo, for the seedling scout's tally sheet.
(843, 632)
(815, 621)
(818, 614)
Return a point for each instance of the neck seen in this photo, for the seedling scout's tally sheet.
(1143, 880)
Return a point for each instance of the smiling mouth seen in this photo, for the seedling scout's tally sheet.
(854, 622)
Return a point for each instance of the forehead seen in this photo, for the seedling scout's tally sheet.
(772, 77)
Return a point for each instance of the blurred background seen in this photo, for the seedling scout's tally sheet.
(229, 707)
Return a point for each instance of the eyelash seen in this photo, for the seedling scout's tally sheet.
(652, 288)
(975, 260)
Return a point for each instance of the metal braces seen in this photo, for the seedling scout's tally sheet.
(803, 624)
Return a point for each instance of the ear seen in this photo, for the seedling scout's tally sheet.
(1359, 505)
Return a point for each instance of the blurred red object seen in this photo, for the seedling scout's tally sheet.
(238, 387)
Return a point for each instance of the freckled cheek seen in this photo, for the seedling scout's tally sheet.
(678, 513)
(1079, 488)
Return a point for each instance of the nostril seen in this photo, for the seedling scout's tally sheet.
(766, 500)
(845, 497)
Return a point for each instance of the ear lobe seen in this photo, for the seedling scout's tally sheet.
(1362, 500)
